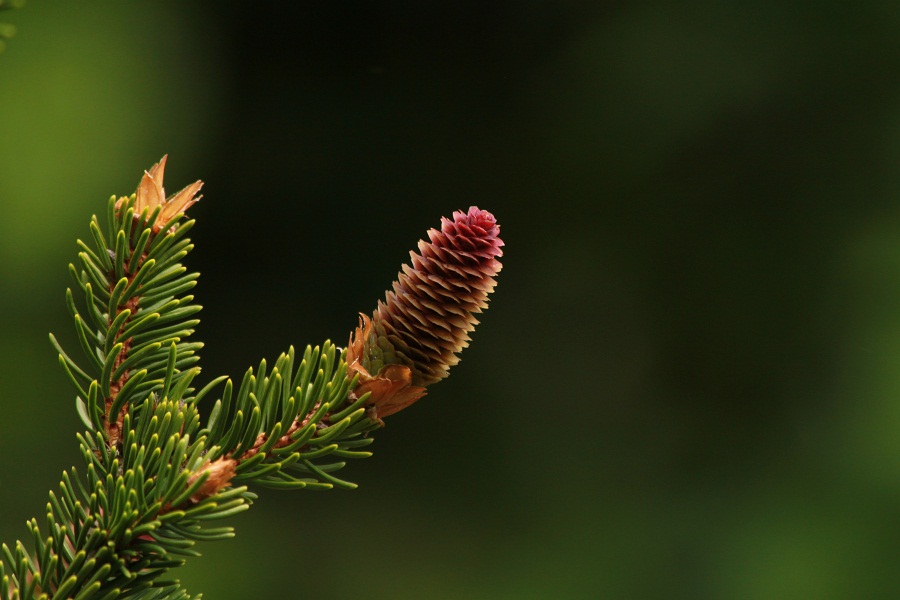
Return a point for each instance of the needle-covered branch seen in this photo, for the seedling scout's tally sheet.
(156, 478)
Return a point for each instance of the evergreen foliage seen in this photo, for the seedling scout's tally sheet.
(156, 478)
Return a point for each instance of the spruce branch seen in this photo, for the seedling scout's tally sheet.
(155, 477)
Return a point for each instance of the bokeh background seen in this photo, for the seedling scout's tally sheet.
(688, 383)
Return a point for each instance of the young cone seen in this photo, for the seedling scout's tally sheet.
(415, 334)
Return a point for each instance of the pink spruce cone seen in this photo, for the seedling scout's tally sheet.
(414, 336)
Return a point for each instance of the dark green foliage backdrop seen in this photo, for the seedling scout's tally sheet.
(688, 384)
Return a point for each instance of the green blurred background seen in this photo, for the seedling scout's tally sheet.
(688, 383)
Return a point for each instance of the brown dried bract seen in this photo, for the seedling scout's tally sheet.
(391, 388)
(151, 194)
(221, 471)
